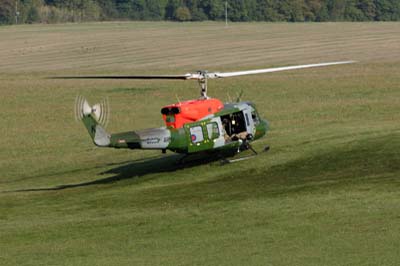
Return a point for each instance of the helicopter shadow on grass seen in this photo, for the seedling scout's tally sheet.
(367, 160)
(139, 168)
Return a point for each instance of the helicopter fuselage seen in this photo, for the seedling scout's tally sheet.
(233, 125)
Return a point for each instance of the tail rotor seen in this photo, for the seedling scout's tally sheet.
(100, 111)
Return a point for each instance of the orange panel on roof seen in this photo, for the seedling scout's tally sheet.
(178, 114)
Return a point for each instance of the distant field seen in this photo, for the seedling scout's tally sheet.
(162, 46)
(328, 192)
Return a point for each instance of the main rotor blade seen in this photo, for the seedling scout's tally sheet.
(275, 69)
(208, 75)
(186, 76)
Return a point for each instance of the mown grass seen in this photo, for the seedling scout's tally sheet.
(326, 194)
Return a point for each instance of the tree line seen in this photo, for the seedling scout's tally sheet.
(55, 11)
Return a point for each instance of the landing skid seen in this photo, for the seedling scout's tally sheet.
(204, 157)
(226, 161)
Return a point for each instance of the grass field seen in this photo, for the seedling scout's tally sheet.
(327, 193)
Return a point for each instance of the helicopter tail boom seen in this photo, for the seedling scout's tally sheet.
(96, 117)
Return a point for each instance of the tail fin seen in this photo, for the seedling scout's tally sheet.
(94, 118)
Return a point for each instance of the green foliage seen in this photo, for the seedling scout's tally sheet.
(183, 14)
(387, 10)
(155, 10)
(32, 15)
(199, 10)
(52, 14)
(353, 13)
(108, 9)
(170, 8)
(238, 10)
(213, 9)
(368, 8)
(7, 11)
(90, 11)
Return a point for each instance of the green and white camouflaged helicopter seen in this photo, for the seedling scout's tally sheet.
(205, 125)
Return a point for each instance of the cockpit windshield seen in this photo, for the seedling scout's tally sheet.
(255, 117)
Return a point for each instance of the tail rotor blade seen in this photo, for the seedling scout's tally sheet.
(76, 109)
(99, 111)
(96, 111)
(86, 109)
(82, 107)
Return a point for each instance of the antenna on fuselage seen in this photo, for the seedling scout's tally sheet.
(177, 98)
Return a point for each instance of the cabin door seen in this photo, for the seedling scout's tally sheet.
(204, 135)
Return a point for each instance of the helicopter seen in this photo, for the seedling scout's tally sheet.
(203, 125)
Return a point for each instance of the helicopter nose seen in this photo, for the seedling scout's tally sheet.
(266, 124)
(261, 129)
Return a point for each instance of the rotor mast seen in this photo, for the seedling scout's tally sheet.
(203, 83)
